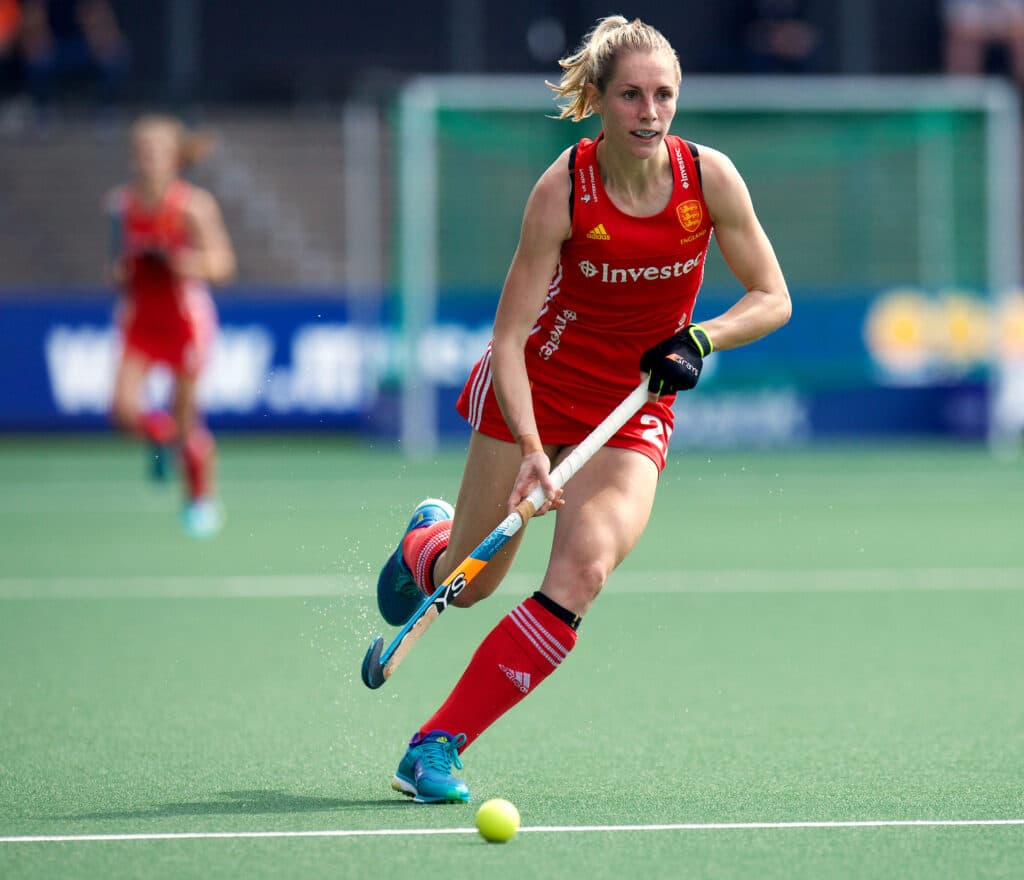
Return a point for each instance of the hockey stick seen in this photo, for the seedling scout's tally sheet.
(379, 664)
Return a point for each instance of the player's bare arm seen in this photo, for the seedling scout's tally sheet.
(545, 226)
(212, 257)
(749, 254)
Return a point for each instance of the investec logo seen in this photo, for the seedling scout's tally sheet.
(640, 273)
(552, 343)
(684, 178)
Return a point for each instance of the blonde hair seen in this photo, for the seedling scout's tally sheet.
(594, 62)
(192, 146)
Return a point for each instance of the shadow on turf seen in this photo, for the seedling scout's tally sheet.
(245, 803)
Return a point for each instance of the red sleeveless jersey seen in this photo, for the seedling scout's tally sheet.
(150, 236)
(622, 284)
(166, 317)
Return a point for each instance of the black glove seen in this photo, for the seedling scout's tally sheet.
(675, 363)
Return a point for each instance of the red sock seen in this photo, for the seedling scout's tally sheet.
(517, 655)
(197, 456)
(420, 549)
(158, 426)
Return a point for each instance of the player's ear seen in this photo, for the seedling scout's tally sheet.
(593, 98)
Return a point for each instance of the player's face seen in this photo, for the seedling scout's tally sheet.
(155, 148)
(639, 103)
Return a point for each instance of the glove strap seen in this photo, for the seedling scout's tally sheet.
(699, 338)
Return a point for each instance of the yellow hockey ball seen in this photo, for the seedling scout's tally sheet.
(497, 820)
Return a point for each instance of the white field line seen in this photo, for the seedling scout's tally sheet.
(535, 829)
(179, 587)
(824, 580)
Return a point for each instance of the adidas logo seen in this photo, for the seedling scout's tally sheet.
(599, 232)
(520, 679)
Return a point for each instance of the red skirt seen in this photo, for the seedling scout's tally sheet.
(182, 339)
(564, 420)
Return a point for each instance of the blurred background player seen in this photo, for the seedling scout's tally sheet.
(169, 243)
(601, 287)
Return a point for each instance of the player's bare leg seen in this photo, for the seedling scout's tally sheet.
(126, 405)
(156, 427)
(606, 510)
(202, 516)
(490, 471)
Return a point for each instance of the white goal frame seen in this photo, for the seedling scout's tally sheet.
(418, 186)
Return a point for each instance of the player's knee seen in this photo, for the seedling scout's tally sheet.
(577, 585)
(590, 578)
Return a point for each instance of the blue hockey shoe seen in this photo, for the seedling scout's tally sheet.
(425, 773)
(397, 594)
(202, 518)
